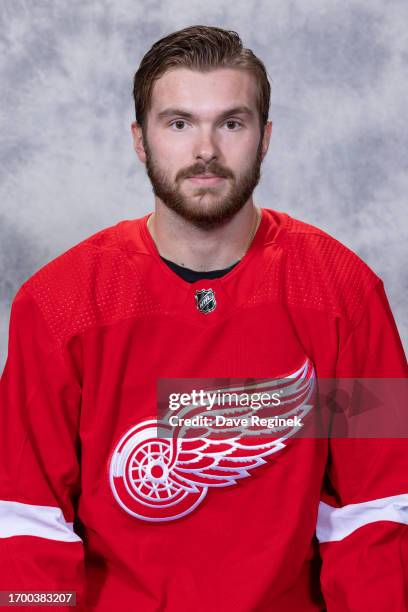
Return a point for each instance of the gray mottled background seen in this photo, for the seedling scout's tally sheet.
(338, 155)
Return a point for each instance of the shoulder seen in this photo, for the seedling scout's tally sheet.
(321, 272)
(89, 284)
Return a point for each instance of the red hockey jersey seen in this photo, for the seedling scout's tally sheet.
(93, 500)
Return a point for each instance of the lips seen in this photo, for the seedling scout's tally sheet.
(205, 176)
(206, 179)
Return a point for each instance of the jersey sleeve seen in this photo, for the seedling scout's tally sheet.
(362, 524)
(40, 400)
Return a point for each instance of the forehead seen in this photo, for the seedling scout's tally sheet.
(216, 89)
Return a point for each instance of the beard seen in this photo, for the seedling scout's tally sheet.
(222, 207)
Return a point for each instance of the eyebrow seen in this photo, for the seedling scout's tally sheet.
(236, 110)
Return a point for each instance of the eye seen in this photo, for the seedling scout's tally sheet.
(177, 121)
(233, 121)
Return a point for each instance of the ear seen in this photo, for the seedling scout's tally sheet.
(266, 138)
(138, 141)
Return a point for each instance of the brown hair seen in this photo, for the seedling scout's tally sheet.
(201, 48)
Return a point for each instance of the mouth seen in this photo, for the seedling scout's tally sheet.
(206, 179)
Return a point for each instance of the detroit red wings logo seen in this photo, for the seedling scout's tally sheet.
(165, 478)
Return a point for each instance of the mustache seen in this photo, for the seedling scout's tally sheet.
(198, 169)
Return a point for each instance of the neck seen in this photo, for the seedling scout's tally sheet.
(203, 250)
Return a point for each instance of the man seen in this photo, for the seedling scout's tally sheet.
(100, 494)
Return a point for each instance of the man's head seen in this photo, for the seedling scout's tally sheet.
(202, 104)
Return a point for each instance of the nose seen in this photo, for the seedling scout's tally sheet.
(206, 147)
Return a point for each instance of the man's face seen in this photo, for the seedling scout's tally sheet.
(199, 124)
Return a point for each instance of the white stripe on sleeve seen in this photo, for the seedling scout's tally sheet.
(18, 519)
(334, 524)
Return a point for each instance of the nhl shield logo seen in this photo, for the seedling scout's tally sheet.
(205, 300)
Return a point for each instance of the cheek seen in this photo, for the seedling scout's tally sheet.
(169, 151)
(241, 150)
(241, 162)
(168, 138)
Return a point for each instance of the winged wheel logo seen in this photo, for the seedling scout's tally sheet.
(165, 478)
